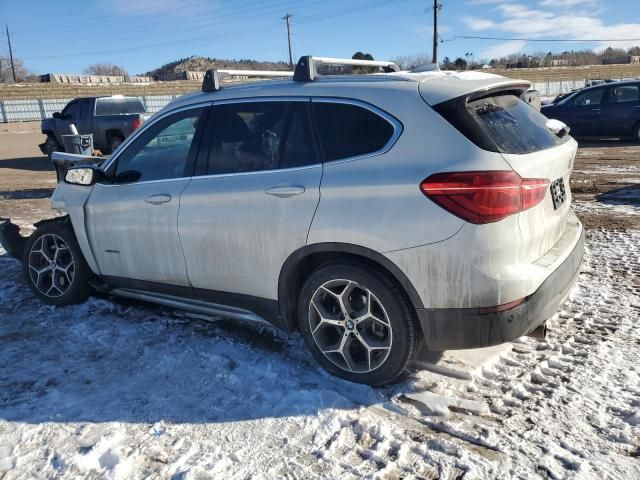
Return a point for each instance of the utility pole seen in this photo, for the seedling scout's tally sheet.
(436, 8)
(286, 18)
(13, 68)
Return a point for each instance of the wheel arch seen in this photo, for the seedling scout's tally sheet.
(304, 260)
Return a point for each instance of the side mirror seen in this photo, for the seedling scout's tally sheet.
(57, 115)
(83, 175)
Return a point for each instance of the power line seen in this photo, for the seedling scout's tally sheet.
(238, 34)
(135, 32)
(474, 37)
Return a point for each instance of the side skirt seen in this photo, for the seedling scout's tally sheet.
(196, 300)
(191, 305)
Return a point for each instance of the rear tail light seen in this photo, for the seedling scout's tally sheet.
(484, 197)
(136, 123)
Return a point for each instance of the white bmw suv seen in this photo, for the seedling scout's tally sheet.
(375, 213)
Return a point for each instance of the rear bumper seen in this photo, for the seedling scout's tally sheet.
(461, 328)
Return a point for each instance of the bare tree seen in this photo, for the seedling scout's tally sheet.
(409, 62)
(6, 75)
(105, 68)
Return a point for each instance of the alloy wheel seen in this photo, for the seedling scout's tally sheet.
(350, 326)
(51, 265)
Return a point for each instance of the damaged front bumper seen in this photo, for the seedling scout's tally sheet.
(11, 239)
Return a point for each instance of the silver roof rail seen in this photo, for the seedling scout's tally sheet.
(213, 77)
(306, 67)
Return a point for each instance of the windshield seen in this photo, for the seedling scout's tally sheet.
(118, 106)
(512, 125)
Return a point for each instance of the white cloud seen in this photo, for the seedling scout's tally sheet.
(563, 4)
(503, 49)
(518, 20)
(476, 24)
(144, 7)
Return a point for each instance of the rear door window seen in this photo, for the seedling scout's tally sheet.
(118, 106)
(347, 130)
(624, 94)
(255, 136)
(512, 125)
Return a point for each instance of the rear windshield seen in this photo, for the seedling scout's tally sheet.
(118, 106)
(501, 123)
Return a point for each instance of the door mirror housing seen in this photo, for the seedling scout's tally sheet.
(85, 175)
(57, 115)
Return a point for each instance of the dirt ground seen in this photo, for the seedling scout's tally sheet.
(604, 172)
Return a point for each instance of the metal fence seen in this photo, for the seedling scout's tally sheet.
(39, 109)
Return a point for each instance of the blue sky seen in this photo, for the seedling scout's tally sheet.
(65, 36)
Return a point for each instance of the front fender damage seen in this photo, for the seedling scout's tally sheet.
(11, 239)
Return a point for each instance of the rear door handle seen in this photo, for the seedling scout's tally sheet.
(158, 198)
(284, 192)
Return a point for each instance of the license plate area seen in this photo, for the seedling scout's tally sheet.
(558, 193)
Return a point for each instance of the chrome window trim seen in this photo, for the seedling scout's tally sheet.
(148, 124)
(280, 98)
(397, 125)
(255, 172)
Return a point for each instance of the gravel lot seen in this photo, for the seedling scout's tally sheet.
(111, 389)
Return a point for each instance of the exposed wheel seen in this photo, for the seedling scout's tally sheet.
(114, 142)
(54, 266)
(357, 323)
(636, 133)
(51, 145)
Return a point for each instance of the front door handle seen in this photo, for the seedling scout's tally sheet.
(158, 198)
(284, 192)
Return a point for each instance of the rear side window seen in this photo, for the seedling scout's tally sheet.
(514, 126)
(347, 130)
(118, 106)
(500, 123)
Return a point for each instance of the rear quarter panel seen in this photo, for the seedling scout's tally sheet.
(376, 201)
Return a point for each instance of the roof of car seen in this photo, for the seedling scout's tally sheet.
(629, 81)
(434, 86)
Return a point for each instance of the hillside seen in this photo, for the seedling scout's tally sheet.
(202, 64)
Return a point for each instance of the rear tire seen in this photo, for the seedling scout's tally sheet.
(115, 141)
(358, 323)
(636, 133)
(54, 266)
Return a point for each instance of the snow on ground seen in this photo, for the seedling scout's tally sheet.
(111, 389)
(623, 202)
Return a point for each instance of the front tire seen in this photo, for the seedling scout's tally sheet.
(358, 323)
(54, 266)
(51, 145)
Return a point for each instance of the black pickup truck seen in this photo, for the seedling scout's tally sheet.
(109, 119)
